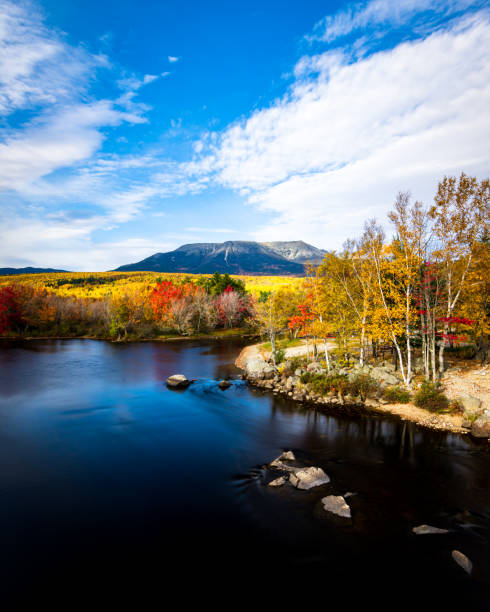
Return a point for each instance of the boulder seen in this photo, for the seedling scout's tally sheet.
(278, 482)
(381, 375)
(462, 561)
(178, 381)
(481, 426)
(224, 384)
(279, 464)
(336, 504)
(307, 478)
(470, 404)
(315, 368)
(428, 529)
(258, 368)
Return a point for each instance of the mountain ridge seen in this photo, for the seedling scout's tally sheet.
(232, 257)
(28, 270)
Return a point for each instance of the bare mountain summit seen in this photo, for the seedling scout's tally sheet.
(234, 257)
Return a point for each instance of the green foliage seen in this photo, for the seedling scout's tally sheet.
(431, 397)
(280, 355)
(362, 385)
(216, 284)
(397, 395)
(322, 384)
(306, 377)
(263, 296)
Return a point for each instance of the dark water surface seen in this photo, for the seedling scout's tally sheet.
(110, 483)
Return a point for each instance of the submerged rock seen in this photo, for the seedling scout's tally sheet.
(307, 478)
(224, 384)
(462, 561)
(336, 504)
(178, 381)
(278, 482)
(428, 529)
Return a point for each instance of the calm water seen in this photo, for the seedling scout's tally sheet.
(110, 481)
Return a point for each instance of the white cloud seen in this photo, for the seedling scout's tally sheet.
(349, 135)
(67, 244)
(36, 66)
(386, 13)
(173, 59)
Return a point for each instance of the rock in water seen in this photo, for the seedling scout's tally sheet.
(224, 384)
(336, 504)
(307, 478)
(178, 381)
(462, 561)
(278, 482)
(278, 462)
(279, 465)
(427, 529)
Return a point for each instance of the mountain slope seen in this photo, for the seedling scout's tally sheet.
(296, 250)
(12, 271)
(234, 257)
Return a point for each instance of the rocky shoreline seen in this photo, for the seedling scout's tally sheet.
(263, 375)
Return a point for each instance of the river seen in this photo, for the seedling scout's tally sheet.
(107, 477)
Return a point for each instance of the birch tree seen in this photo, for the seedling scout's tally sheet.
(460, 217)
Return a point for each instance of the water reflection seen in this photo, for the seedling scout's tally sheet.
(97, 455)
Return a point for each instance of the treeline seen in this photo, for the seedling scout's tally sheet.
(422, 292)
(134, 311)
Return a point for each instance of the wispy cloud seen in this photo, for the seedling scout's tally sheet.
(173, 59)
(362, 15)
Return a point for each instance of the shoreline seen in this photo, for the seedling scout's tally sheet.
(406, 412)
(224, 336)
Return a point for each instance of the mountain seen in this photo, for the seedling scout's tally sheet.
(12, 271)
(234, 257)
(297, 250)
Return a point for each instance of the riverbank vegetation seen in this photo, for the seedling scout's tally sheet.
(415, 296)
(421, 293)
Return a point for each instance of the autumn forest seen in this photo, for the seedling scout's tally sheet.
(422, 291)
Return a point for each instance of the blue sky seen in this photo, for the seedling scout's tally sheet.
(128, 128)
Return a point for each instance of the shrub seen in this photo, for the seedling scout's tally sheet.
(431, 397)
(397, 395)
(280, 355)
(320, 384)
(296, 362)
(363, 385)
(335, 383)
(305, 377)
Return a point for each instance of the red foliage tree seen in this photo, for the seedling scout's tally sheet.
(10, 310)
(163, 298)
